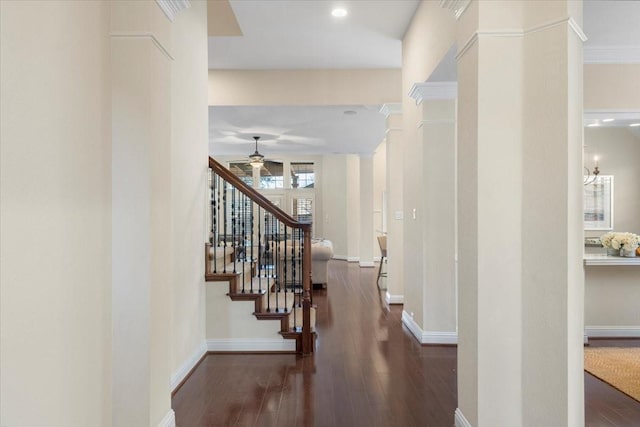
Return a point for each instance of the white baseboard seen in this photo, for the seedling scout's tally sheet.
(428, 337)
(188, 365)
(376, 259)
(367, 264)
(353, 259)
(612, 331)
(169, 420)
(251, 344)
(460, 420)
(340, 257)
(394, 299)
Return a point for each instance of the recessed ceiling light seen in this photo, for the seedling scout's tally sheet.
(339, 12)
(591, 125)
(633, 125)
(607, 120)
(350, 112)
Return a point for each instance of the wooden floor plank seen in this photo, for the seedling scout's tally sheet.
(368, 370)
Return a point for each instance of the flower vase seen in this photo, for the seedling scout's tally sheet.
(628, 253)
(613, 252)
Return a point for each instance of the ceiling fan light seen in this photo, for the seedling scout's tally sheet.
(256, 160)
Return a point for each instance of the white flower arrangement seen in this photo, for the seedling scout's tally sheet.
(626, 241)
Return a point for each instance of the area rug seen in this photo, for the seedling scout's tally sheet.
(618, 367)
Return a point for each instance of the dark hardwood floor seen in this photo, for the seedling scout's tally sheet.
(367, 371)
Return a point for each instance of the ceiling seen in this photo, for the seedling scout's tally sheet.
(302, 34)
(350, 129)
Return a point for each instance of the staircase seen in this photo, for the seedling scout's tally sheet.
(263, 254)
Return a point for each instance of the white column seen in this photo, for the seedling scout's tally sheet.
(141, 225)
(366, 211)
(520, 226)
(394, 208)
(438, 222)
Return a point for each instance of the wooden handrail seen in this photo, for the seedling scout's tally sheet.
(262, 201)
(258, 198)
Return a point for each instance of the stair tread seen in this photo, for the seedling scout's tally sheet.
(217, 252)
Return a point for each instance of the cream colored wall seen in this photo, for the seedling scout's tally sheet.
(439, 219)
(304, 87)
(611, 87)
(507, 87)
(379, 187)
(141, 188)
(189, 136)
(619, 152)
(429, 37)
(334, 214)
(611, 298)
(55, 210)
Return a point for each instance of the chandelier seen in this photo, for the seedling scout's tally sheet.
(256, 160)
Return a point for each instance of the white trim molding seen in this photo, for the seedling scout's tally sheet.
(392, 108)
(188, 365)
(428, 337)
(611, 55)
(251, 344)
(172, 7)
(433, 91)
(339, 257)
(612, 331)
(367, 264)
(169, 420)
(393, 299)
(144, 35)
(460, 419)
(353, 259)
(456, 6)
(590, 115)
(521, 32)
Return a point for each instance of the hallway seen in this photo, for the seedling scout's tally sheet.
(367, 371)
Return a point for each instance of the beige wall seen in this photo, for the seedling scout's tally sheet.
(55, 205)
(611, 87)
(619, 152)
(611, 299)
(189, 136)
(103, 191)
(429, 37)
(304, 87)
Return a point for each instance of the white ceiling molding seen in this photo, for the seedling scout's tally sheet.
(611, 55)
(389, 109)
(433, 90)
(516, 32)
(172, 7)
(613, 114)
(456, 6)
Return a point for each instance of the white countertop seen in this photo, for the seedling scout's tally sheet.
(602, 259)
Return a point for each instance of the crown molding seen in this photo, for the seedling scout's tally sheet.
(613, 114)
(433, 91)
(389, 109)
(144, 35)
(456, 6)
(521, 32)
(172, 7)
(612, 55)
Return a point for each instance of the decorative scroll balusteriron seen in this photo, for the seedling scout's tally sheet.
(266, 257)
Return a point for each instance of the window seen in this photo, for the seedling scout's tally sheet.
(302, 175)
(271, 175)
(302, 209)
(242, 170)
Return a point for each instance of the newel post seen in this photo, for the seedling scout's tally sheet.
(307, 338)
